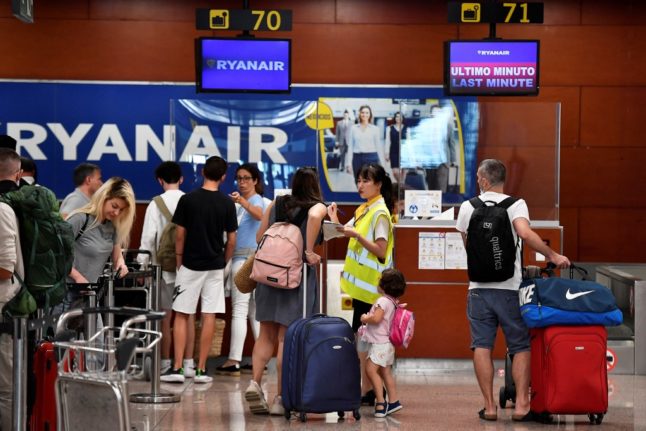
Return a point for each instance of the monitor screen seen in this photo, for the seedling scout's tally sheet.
(491, 67)
(253, 65)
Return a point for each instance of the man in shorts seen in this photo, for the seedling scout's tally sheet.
(490, 305)
(202, 217)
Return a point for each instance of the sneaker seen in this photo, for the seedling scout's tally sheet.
(189, 372)
(256, 399)
(173, 376)
(381, 410)
(166, 364)
(231, 370)
(202, 377)
(394, 407)
(189, 368)
(277, 408)
(248, 369)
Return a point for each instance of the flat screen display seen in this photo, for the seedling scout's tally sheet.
(243, 65)
(491, 67)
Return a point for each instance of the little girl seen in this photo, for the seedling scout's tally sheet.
(381, 353)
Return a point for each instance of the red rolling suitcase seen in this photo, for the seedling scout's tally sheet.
(569, 372)
(43, 416)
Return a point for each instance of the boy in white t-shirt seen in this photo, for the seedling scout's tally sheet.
(381, 353)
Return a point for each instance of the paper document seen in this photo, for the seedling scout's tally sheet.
(329, 230)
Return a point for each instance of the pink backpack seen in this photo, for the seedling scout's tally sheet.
(402, 326)
(279, 257)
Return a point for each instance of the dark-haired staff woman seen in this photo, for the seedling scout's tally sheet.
(369, 251)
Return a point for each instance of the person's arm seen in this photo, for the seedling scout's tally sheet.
(77, 276)
(374, 318)
(230, 246)
(315, 217)
(264, 223)
(149, 234)
(531, 238)
(332, 212)
(8, 251)
(377, 247)
(387, 149)
(180, 237)
(119, 263)
(349, 151)
(253, 210)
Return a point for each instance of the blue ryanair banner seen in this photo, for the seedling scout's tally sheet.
(129, 128)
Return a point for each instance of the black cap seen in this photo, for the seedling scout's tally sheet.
(7, 141)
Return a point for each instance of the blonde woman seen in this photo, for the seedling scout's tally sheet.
(102, 229)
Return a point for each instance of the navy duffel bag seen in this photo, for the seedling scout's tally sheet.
(561, 301)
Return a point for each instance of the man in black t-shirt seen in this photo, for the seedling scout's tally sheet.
(202, 217)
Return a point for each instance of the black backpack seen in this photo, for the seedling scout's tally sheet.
(491, 248)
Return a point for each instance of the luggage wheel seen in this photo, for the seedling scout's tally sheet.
(341, 414)
(356, 415)
(502, 398)
(303, 417)
(595, 418)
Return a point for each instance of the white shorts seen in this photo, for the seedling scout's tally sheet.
(382, 354)
(191, 285)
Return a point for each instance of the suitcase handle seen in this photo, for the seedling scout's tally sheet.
(582, 271)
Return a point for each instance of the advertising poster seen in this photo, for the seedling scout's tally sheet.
(129, 128)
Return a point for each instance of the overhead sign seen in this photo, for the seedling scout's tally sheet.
(244, 19)
(500, 13)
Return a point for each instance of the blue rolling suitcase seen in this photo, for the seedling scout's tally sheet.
(320, 371)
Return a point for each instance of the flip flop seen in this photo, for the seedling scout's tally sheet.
(482, 414)
(528, 417)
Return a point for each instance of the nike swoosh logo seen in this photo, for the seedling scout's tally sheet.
(570, 296)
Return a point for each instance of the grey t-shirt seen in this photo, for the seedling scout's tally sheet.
(73, 201)
(92, 249)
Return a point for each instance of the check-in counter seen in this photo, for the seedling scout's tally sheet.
(627, 342)
(438, 296)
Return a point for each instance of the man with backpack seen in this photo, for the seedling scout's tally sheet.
(492, 226)
(10, 263)
(158, 237)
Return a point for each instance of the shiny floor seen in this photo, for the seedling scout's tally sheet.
(436, 395)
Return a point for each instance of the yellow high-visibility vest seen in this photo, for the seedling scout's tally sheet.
(362, 269)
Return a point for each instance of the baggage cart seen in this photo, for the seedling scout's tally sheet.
(93, 374)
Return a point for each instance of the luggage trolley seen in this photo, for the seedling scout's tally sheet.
(139, 288)
(93, 374)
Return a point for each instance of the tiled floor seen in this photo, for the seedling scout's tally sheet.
(436, 396)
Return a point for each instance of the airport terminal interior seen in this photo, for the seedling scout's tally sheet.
(127, 84)
(437, 395)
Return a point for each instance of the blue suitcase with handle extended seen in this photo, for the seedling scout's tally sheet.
(320, 371)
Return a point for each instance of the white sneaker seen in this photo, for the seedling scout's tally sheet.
(165, 366)
(189, 372)
(189, 368)
(202, 377)
(277, 408)
(256, 399)
(173, 376)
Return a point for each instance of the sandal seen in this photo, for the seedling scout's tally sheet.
(381, 412)
(482, 414)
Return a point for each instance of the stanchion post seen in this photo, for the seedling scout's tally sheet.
(19, 420)
(155, 397)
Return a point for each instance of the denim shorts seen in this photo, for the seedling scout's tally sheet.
(489, 308)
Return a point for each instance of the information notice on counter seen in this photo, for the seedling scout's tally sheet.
(441, 250)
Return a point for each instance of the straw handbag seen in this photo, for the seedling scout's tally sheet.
(242, 278)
